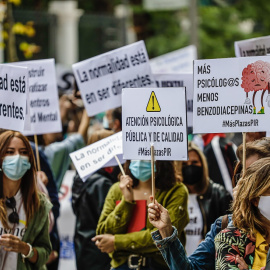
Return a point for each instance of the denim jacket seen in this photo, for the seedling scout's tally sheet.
(267, 267)
(203, 258)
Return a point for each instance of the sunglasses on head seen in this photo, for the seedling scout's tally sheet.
(13, 217)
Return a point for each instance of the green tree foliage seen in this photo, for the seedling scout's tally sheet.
(219, 28)
(166, 34)
(258, 11)
(220, 23)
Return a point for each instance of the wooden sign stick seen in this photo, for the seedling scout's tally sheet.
(120, 165)
(37, 153)
(153, 172)
(244, 152)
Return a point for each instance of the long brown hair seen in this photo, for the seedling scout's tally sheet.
(28, 186)
(260, 147)
(254, 183)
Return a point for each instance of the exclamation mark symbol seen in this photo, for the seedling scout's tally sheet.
(152, 105)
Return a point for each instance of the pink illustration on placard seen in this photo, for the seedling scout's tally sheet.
(256, 77)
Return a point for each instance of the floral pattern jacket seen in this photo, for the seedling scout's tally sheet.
(231, 242)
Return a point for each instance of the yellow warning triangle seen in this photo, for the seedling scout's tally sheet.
(153, 105)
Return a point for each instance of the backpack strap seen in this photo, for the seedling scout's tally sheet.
(224, 222)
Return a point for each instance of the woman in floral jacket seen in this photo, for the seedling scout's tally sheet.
(249, 236)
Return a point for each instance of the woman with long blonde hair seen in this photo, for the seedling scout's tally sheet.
(249, 236)
(24, 222)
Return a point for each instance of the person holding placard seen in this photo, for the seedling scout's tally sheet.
(24, 219)
(87, 201)
(203, 258)
(58, 152)
(123, 230)
(249, 235)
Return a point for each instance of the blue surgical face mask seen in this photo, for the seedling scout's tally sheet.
(141, 169)
(264, 206)
(14, 167)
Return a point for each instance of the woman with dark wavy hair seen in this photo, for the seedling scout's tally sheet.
(24, 222)
(136, 250)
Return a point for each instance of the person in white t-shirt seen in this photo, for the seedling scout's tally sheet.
(206, 201)
(24, 222)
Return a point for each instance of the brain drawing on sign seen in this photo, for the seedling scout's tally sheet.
(256, 77)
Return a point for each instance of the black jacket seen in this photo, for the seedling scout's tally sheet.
(215, 202)
(87, 202)
(225, 147)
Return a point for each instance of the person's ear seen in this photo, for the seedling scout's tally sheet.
(255, 201)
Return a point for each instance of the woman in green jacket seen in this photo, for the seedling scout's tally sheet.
(136, 249)
(24, 222)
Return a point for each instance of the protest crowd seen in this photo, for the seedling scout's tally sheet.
(157, 184)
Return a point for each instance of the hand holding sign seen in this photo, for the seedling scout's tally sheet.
(159, 217)
(125, 185)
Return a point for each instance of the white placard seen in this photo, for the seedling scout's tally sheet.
(179, 80)
(178, 61)
(113, 162)
(65, 78)
(164, 4)
(13, 97)
(224, 92)
(43, 97)
(94, 156)
(252, 47)
(154, 116)
(66, 224)
(101, 78)
(267, 134)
